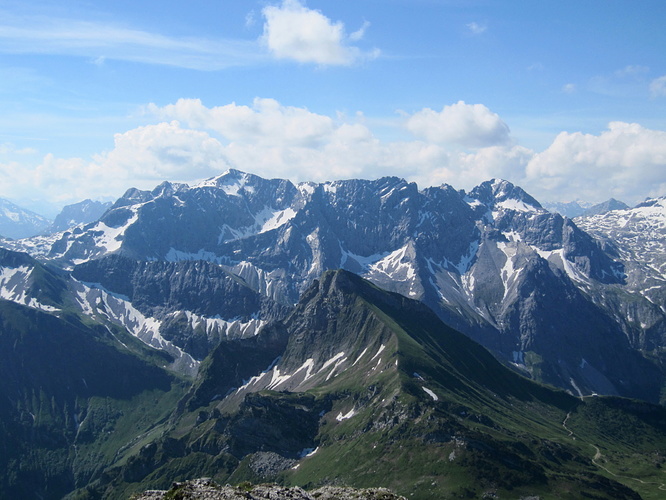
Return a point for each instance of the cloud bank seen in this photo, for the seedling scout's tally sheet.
(462, 145)
(626, 161)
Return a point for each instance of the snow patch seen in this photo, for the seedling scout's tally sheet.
(308, 452)
(431, 394)
(517, 205)
(265, 220)
(111, 237)
(381, 349)
(360, 356)
(467, 259)
(397, 265)
(347, 415)
(94, 301)
(277, 378)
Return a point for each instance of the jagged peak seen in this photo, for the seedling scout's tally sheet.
(227, 178)
(653, 202)
(499, 193)
(167, 188)
(133, 196)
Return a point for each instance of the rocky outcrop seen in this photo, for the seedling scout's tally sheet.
(206, 489)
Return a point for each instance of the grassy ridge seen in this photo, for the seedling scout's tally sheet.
(489, 432)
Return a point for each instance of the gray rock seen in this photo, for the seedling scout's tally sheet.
(206, 489)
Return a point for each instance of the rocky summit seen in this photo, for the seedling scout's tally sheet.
(206, 489)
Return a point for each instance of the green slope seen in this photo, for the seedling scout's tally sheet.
(71, 398)
(372, 389)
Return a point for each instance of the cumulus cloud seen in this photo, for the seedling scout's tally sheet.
(164, 151)
(293, 31)
(274, 140)
(472, 125)
(626, 161)
(658, 87)
(142, 157)
(191, 142)
(501, 162)
(270, 139)
(265, 122)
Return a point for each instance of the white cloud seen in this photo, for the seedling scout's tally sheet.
(501, 162)
(293, 31)
(359, 33)
(265, 122)
(472, 125)
(7, 148)
(192, 141)
(626, 161)
(658, 87)
(476, 28)
(142, 157)
(164, 151)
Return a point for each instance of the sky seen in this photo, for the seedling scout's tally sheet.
(566, 99)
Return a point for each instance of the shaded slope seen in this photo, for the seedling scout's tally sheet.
(197, 303)
(71, 397)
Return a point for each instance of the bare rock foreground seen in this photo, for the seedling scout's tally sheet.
(207, 489)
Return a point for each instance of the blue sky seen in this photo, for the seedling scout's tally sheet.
(566, 99)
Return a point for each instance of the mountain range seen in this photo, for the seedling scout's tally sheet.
(564, 306)
(220, 299)
(17, 222)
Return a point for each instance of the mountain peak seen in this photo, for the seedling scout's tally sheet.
(167, 188)
(653, 202)
(17, 222)
(231, 181)
(606, 206)
(498, 193)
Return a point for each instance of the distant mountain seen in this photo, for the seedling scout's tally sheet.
(79, 213)
(530, 285)
(17, 222)
(637, 236)
(570, 209)
(606, 206)
(370, 388)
